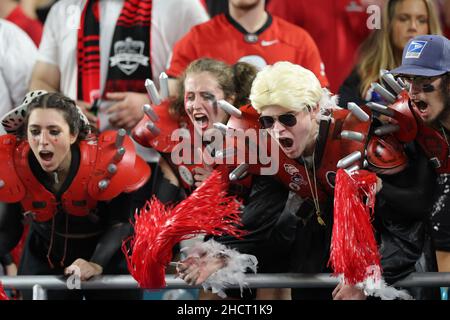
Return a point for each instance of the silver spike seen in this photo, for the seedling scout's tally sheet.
(389, 79)
(164, 85)
(352, 135)
(239, 172)
(153, 128)
(148, 110)
(229, 108)
(225, 153)
(121, 133)
(103, 184)
(401, 83)
(2, 183)
(349, 159)
(352, 168)
(112, 168)
(119, 154)
(381, 109)
(386, 129)
(389, 97)
(365, 164)
(358, 112)
(152, 92)
(221, 127)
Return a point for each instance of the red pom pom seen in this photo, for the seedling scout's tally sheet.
(354, 250)
(3, 295)
(208, 210)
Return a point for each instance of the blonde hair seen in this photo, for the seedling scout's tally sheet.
(377, 51)
(287, 85)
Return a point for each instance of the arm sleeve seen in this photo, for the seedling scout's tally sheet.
(48, 48)
(409, 191)
(17, 59)
(11, 226)
(187, 14)
(183, 53)
(118, 213)
(5, 102)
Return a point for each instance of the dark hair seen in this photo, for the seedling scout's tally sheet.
(66, 106)
(235, 81)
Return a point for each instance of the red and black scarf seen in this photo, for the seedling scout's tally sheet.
(129, 59)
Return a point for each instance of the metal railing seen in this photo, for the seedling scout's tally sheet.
(40, 284)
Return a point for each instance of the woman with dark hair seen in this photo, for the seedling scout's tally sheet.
(74, 187)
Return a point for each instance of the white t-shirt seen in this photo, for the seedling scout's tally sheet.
(17, 57)
(171, 19)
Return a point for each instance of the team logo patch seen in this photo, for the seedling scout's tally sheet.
(415, 49)
(128, 55)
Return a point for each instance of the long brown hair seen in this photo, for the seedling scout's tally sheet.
(235, 81)
(377, 51)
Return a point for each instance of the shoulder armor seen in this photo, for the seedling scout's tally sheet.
(11, 187)
(117, 166)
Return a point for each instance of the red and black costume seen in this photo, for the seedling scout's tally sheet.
(87, 218)
(294, 240)
(434, 144)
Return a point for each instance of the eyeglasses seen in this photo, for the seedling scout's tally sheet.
(286, 119)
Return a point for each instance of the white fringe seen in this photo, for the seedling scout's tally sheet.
(327, 103)
(232, 274)
(374, 285)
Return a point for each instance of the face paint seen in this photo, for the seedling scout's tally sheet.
(50, 138)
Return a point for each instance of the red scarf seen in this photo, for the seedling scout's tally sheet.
(129, 59)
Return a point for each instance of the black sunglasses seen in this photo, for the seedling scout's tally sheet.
(286, 119)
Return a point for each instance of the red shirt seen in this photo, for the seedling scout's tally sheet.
(224, 39)
(31, 26)
(337, 26)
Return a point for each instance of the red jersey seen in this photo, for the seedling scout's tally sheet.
(337, 26)
(31, 26)
(224, 39)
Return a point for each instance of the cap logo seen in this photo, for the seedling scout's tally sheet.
(415, 49)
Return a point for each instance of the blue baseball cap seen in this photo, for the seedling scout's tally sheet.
(425, 56)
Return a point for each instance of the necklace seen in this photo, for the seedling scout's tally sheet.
(445, 135)
(314, 192)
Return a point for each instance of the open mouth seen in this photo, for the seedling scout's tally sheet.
(286, 142)
(46, 155)
(421, 105)
(201, 120)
